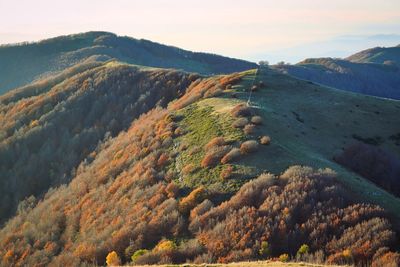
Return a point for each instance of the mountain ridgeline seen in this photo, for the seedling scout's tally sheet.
(105, 162)
(373, 72)
(378, 55)
(23, 63)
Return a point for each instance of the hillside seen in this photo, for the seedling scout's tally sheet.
(23, 63)
(377, 55)
(48, 128)
(204, 178)
(373, 72)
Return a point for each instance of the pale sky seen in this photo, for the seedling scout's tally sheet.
(250, 29)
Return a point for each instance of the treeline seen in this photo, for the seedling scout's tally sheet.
(50, 127)
(124, 206)
(374, 163)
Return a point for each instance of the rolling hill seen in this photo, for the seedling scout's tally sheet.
(377, 55)
(373, 72)
(23, 63)
(189, 173)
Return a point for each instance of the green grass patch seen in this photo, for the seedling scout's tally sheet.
(201, 124)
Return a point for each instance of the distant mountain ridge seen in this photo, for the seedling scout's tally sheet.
(373, 72)
(377, 55)
(23, 63)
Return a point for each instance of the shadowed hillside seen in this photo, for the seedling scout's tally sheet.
(209, 179)
(377, 55)
(23, 63)
(50, 127)
(373, 72)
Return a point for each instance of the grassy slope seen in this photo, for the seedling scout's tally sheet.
(202, 124)
(309, 124)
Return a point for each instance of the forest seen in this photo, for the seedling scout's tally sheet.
(50, 127)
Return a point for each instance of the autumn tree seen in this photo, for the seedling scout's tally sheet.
(113, 259)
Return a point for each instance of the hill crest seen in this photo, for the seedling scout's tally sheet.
(23, 63)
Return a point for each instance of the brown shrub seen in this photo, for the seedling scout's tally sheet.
(248, 146)
(241, 110)
(216, 141)
(240, 123)
(200, 209)
(257, 120)
(265, 140)
(162, 160)
(231, 155)
(190, 201)
(227, 172)
(188, 169)
(179, 131)
(194, 150)
(214, 93)
(213, 157)
(186, 101)
(183, 146)
(249, 129)
(172, 190)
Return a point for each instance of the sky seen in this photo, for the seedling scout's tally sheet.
(283, 30)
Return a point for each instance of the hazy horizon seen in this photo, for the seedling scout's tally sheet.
(288, 31)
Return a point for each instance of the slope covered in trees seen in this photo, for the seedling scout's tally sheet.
(192, 181)
(50, 127)
(373, 72)
(22, 63)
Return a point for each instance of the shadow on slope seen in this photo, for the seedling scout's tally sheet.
(21, 64)
(48, 128)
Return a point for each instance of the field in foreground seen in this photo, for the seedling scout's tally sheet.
(250, 264)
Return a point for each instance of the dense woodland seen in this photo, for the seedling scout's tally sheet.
(125, 202)
(23, 63)
(50, 127)
(373, 163)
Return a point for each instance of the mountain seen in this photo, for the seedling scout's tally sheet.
(377, 55)
(49, 127)
(23, 63)
(189, 173)
(373, 72)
